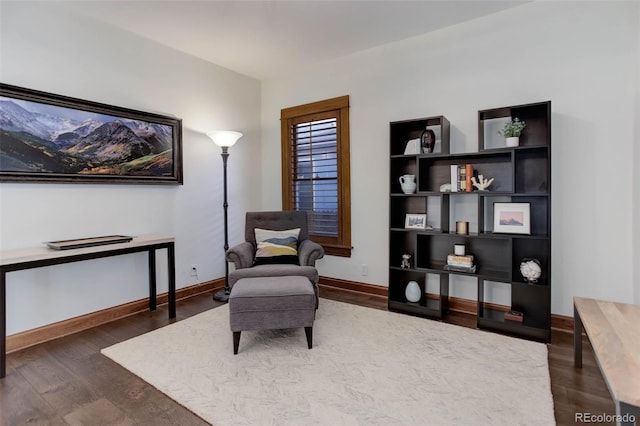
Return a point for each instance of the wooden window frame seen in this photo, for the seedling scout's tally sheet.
(340, 246)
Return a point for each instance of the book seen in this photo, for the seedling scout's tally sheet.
(461, 264)
(513, 316)
(454, 178)
(469, 174)
(467, 258)
(462, 178)
(452, 268)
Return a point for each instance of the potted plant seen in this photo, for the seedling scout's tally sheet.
(512, 130)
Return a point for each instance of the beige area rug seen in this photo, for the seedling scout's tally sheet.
(367, 367)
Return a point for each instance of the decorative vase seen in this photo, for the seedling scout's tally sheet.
(513, 141)
(530, 270)
(428, 141)
(412, 291)
(408, 183)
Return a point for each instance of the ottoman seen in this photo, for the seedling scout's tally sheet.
(267, 303)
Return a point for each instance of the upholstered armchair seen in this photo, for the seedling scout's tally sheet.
(244, 257)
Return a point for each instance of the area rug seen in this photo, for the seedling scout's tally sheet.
(366, 367)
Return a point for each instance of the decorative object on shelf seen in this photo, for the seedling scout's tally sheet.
(530, 270)
(80, 141)
(459, 249)
(415, 221)
(462, 227)
(224, 139)
(460, 263)
(512, 130)
(445, 187)
(481, 183)
(515, 316)
(406, 264)
(428, 139)
(408, 183)
(412, 147)
(412, 291)
(512, 218)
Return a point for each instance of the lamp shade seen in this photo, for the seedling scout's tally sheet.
(224, 137)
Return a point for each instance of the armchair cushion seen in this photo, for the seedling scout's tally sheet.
(276, 246)
(309, 272)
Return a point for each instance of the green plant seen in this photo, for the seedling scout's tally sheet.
(512, 128)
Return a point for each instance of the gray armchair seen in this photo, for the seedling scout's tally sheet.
(243, 254)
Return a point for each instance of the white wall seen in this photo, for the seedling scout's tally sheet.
(583, 56)
(45, 47)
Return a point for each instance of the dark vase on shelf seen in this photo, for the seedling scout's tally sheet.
(428, 140)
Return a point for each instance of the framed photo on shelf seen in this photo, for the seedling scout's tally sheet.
(46, 137)
(512, 218)
(415, 221)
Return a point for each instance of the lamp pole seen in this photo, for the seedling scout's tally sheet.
(224, 139)
(223, 295)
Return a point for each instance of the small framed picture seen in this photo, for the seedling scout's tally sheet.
(415, 221)
(512, 218)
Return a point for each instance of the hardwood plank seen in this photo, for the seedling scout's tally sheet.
(77, 359)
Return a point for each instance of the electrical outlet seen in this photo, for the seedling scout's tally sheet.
(364, 271)
(194, 271)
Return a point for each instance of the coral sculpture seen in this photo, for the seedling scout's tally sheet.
(482, 184)
(530, 270)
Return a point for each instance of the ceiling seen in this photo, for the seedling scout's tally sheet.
(263, 39)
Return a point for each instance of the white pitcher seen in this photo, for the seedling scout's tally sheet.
(408, 183)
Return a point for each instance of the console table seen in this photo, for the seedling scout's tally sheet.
(17, 260)
(614, 332)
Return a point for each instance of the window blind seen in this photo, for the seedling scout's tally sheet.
(314, 171)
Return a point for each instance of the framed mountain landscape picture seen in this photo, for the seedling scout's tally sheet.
(52, 138)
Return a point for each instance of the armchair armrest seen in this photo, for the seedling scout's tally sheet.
(308, 252)
(241, 255)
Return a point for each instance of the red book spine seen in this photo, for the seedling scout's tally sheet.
(469, 174)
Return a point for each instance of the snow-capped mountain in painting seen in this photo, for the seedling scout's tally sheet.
(63, 140)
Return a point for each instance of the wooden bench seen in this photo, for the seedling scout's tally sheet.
(614, 332)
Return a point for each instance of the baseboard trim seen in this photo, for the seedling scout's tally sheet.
(48, 332)
(558, 322)
(358, 287)
(28, 338)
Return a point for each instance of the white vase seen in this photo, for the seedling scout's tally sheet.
(513, 141)
(408, 183)
(412, 291)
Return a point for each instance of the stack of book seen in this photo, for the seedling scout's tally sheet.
(461, 177)
(457, 263)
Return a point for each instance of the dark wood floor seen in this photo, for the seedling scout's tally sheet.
(68, 381)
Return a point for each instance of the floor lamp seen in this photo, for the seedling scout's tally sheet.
(224, 139)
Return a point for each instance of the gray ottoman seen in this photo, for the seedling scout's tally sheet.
(266, 303)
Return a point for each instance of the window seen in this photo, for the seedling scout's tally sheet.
(315, 170)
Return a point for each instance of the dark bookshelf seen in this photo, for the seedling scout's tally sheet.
(521, 174)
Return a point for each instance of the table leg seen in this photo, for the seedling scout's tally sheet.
(627, 414)
(152, 280)
(577, 339)
(3, 324)
(171, 260)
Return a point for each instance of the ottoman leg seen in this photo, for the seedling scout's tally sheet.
(309, 332)
(236, 341)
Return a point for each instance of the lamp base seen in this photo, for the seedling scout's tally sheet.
(221, 296)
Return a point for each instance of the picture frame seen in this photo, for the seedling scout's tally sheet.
(46, 137)
(512, 218)
(415, 221)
